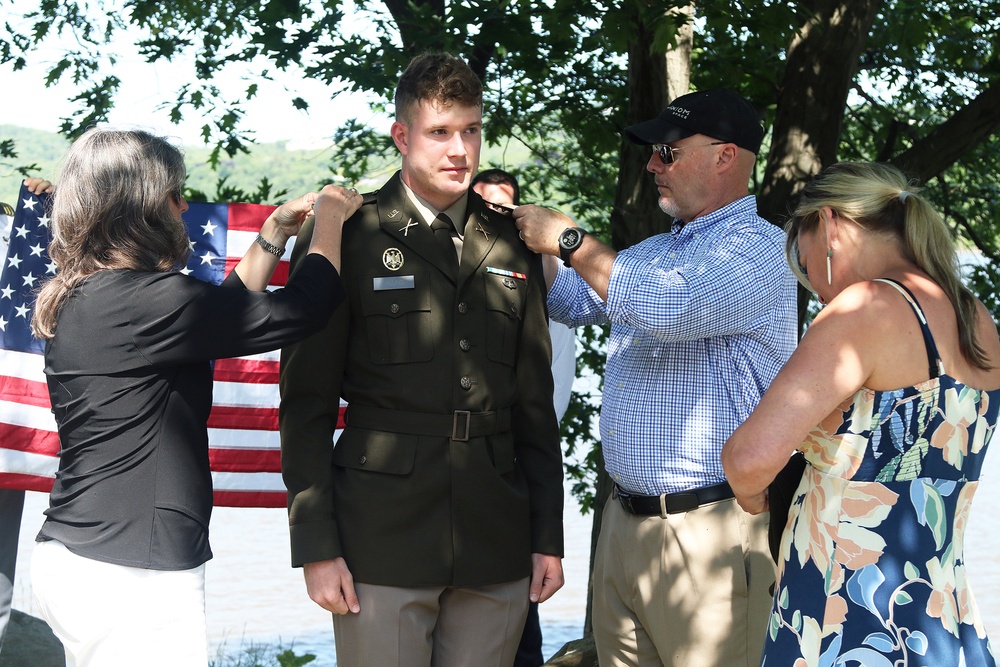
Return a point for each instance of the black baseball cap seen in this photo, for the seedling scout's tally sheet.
(717, 113)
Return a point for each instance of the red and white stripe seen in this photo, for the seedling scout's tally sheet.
(244, 445)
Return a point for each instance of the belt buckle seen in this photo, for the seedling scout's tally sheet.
(678, 503)
(465, 415)
(624, 498)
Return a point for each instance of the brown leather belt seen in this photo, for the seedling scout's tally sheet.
(671, 503)
(459, 425)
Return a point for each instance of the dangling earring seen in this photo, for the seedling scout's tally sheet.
(829, 269)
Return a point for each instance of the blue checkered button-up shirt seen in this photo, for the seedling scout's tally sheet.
(703, 317)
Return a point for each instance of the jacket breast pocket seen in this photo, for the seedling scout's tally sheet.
(397, 318)
(505, 299)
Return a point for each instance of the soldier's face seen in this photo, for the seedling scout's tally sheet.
(440, 148)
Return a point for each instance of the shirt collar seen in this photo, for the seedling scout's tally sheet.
(742, 207)
(455, 212)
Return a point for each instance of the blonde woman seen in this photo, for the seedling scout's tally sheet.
(893, 397)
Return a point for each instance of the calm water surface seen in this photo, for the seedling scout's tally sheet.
(254, 596)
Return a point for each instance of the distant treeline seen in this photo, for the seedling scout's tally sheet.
(289, 168)
(296, 171)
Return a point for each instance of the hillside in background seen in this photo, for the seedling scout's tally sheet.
(293, 169)
(33, 147)
(296, 171)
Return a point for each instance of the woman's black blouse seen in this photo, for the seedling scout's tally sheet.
(130, 380)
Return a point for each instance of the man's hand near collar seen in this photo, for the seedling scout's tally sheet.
(540, 229)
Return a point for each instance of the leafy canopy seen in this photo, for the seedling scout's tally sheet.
(560, 76)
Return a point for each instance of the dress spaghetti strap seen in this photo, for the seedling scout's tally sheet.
(935, 367)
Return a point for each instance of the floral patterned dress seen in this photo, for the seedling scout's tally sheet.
(872, 568)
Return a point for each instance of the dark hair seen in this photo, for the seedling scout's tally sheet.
(111, 210)
(436, 77)
(878, 198)
(498, 177)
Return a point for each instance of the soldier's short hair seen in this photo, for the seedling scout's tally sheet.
(436, 77)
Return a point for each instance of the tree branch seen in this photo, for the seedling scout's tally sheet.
(951, 140)
(821, 64)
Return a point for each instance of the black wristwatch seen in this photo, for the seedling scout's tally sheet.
(570, 239)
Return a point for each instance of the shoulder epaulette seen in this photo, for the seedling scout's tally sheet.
(505, 210)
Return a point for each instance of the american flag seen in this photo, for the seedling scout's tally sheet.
(243, 425)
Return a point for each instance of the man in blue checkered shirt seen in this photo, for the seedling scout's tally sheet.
(703, 316)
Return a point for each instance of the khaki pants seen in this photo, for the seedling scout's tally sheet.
(433, 626)
(688, 590)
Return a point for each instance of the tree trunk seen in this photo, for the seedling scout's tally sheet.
(411, 23)
(654, 80)
(820, 67)
(958, 136)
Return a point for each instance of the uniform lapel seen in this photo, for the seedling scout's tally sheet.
(398, 218)
(482, 229)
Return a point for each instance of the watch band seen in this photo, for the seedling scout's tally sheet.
(566, 252)
(564, 255)
(269, 247)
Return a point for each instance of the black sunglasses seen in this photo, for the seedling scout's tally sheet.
(667, 153)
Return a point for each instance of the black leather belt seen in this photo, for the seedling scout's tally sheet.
(458, 425)
(671, 503)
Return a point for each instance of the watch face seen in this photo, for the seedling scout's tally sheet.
(570, 238)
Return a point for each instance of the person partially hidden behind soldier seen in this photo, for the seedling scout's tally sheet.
(437, 516)
(500, 187)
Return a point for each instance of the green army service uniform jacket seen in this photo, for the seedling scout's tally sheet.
(449, 470)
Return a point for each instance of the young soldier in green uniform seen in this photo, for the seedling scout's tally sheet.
(438, 514)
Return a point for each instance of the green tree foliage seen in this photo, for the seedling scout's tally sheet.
(913, 82)
(557, 71)
(909, 82)
(45, 150)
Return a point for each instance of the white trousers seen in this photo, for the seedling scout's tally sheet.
(116, 616)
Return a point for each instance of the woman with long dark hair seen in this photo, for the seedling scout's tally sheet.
(119, 569)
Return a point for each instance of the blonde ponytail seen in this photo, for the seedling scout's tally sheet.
(878, 198)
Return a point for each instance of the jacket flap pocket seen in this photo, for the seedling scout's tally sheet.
(394, 296)
(505, 295)
(376, 451)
